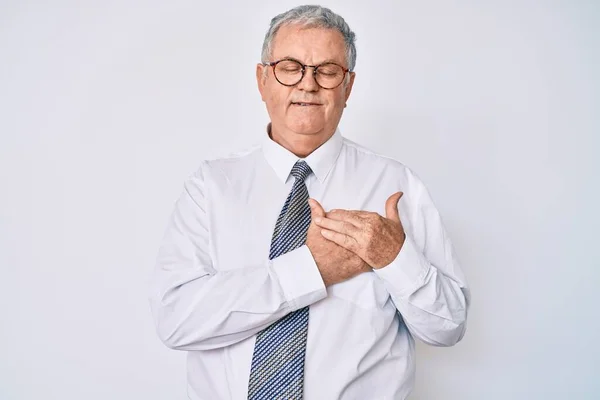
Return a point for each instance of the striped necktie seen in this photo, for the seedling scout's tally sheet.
(277, 370)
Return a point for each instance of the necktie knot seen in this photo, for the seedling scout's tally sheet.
(301, 170)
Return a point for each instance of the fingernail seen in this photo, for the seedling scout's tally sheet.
(318, 220)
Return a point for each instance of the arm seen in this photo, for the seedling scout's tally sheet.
(425, 280)
(417, 266)
(196, 307)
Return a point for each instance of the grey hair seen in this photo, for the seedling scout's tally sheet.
(312, 17)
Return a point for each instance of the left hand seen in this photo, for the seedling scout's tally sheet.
(375, 239)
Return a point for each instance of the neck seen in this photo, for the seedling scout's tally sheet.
(299, 144)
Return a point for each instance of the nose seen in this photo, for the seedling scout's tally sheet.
(308, 81)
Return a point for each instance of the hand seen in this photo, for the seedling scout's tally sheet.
(336, 264)
(375, 239)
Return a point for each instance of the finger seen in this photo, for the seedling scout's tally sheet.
(338, 226)
(357, 213)
(354, 212)
(391, 207)
(353, 217)
(316, 210)
(339, 238)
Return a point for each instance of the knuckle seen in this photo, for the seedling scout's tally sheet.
(348, 242)
(347, 226)
(371, 229)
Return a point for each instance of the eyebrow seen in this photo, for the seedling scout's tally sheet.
(329, 60)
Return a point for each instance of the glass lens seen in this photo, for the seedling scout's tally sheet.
(288, 72)
(330, 75)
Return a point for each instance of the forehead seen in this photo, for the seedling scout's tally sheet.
(309, 45)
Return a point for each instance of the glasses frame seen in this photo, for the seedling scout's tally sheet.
(273, 64)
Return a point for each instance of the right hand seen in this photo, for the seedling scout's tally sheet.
(335, 263)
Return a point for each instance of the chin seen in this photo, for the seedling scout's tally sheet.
(308, 132)
(304, 128)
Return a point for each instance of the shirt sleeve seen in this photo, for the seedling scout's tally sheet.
(425, 280)
(196, 307)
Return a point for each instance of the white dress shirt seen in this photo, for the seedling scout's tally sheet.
(214, 286)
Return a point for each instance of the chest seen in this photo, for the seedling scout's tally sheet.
(243, 213)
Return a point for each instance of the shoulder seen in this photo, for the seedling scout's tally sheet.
(228, 163)
(234, 158)
(379, 163)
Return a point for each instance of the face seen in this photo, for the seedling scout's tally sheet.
(304, 116)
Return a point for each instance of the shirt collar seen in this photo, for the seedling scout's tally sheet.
(320, 161)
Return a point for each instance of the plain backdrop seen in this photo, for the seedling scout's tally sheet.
(106, 107)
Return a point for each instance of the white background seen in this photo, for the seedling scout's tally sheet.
(106, 107)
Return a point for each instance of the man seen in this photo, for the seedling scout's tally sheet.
(278, 296)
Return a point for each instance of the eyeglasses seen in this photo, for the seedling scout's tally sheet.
(289, 72)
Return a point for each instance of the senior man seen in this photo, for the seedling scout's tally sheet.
(272, 296)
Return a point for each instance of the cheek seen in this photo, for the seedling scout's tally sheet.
(335, 102)
(278, 98)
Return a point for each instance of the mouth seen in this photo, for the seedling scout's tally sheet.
(305, 104)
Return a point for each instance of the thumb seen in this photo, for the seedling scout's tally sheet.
(316, 210)
(391, 206)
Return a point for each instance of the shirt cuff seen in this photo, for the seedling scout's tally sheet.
(407, 272)
(299, 277)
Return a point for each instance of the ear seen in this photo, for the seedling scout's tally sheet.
(261, 79)
(348, 87)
